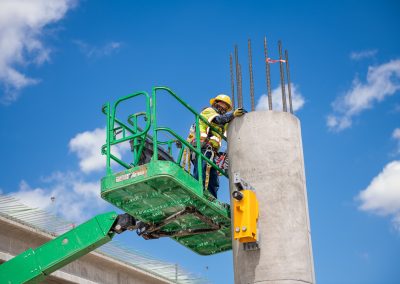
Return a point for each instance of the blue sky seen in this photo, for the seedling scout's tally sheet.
(61, 60)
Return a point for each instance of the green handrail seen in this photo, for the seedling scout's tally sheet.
(155, 89)
(187, 144)
(134, 123)
(200, 156)
(133, 120)
(135, 133)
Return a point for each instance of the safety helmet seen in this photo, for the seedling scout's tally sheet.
(223, 98)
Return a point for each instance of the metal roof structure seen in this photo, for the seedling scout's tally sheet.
(13, 209)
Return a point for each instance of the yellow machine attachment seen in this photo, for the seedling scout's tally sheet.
(245, 214)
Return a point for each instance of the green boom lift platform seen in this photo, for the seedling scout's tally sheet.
(160, 196)
(155, 189)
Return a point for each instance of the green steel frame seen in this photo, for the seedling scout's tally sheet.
(34, 265)
(128, 133)
(138, 135)
(155, 190)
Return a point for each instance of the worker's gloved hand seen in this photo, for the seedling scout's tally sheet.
(239, 112)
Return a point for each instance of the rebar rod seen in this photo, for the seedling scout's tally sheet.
(284, 106)
(240, 97)
(232, 81)
(251, 76)
(288, 81)
(238, 93)
(268, 74)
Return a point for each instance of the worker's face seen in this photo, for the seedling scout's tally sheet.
(222, 107)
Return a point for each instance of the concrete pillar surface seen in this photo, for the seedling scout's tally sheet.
(265, 148)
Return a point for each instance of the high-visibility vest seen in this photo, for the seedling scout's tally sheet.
(206, 133)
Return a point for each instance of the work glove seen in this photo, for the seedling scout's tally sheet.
(239, 112)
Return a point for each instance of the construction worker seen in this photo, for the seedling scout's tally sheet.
(218, 115)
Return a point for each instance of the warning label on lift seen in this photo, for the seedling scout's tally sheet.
(134, 174)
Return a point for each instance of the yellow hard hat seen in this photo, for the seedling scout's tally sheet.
(223, 98)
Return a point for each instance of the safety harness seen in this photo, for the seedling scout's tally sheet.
(221, 159)
(209, 149)
(186, 156)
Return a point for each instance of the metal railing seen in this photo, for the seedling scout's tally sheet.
(138, 136)
(115, 127)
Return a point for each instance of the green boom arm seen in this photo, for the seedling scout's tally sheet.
(35, 265)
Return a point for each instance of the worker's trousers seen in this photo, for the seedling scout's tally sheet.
(213, 183)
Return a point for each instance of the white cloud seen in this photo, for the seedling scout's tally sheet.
(396, 136)
(22, 23)
(358, 55)
(382, 81)
(87, 145)
(382, 196)
(297, 99)
(75, 198)
(98, 51)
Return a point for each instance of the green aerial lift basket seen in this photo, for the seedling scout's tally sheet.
(156, 190)
(153, 192)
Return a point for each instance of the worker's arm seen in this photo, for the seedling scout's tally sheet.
(222, 119)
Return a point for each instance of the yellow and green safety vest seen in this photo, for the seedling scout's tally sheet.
(213, 137)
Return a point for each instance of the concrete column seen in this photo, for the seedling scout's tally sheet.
(265, 148)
